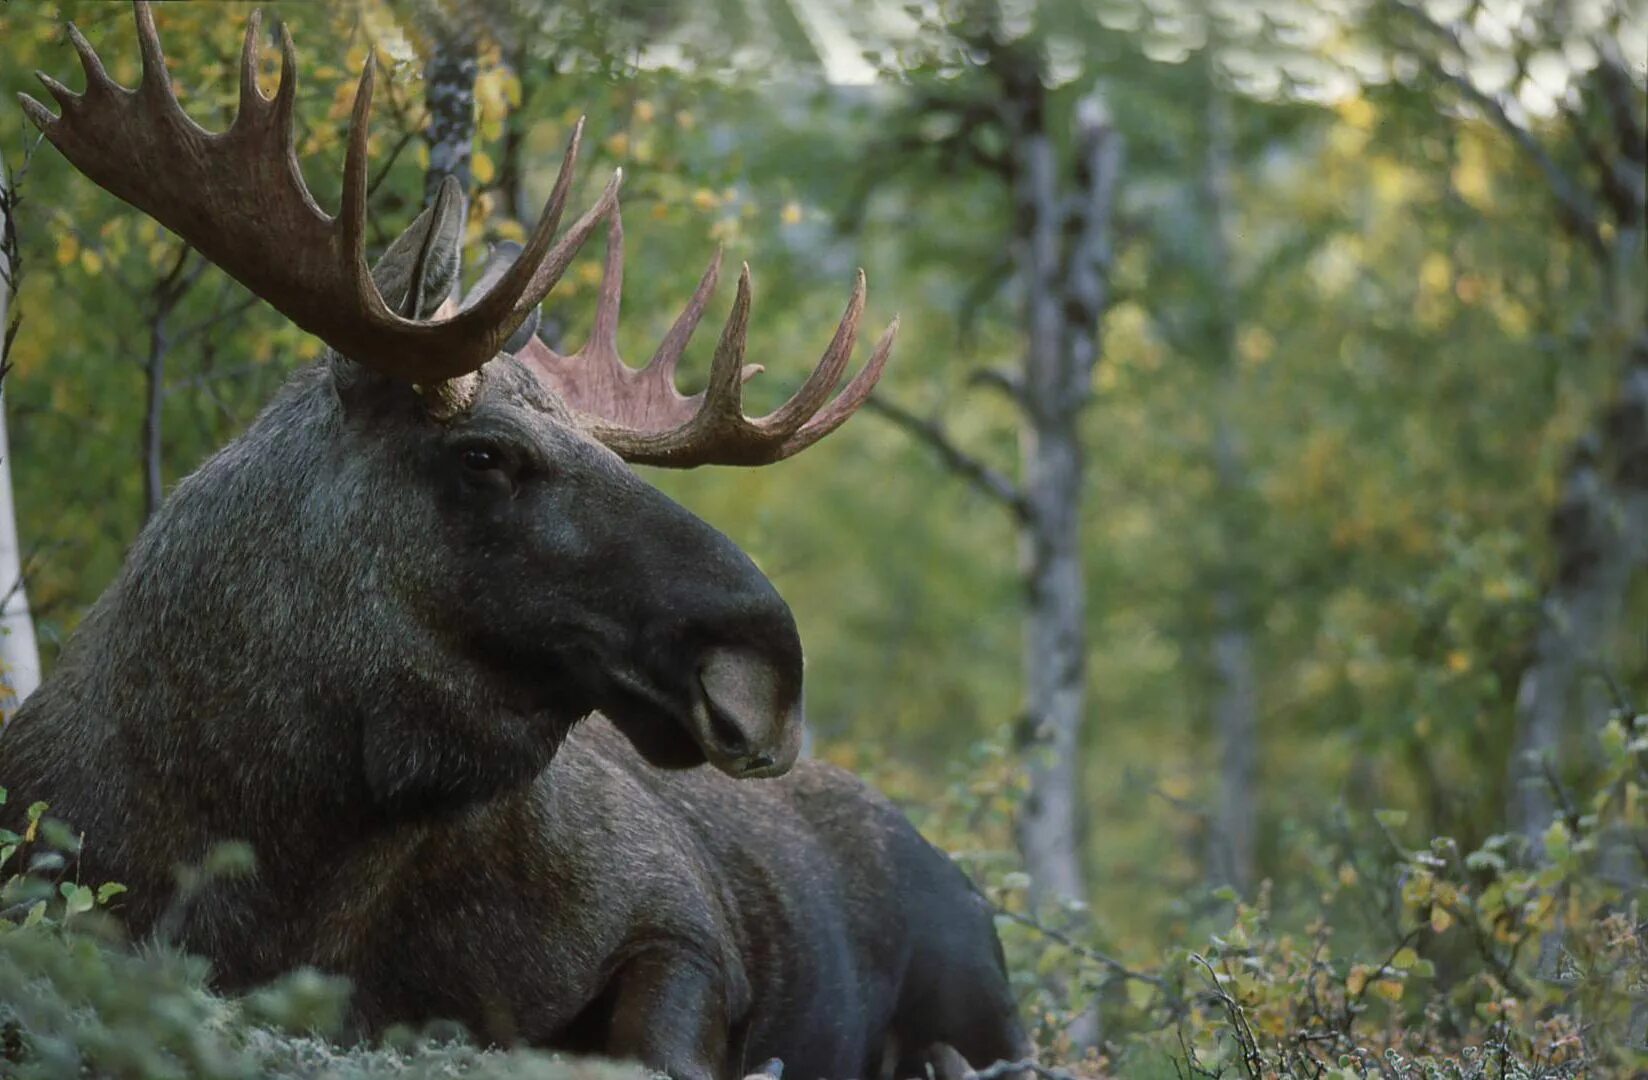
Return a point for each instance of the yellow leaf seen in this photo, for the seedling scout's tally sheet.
(1356, 980)
(1436, 272)
(791, 214)
(1389, 989)
(1440, 919)
(1357, 112)
(90, 261)
(1405, 958)
(67, 249)
(483, 168)
(704, 199)
(1255, 345)
(644, 112)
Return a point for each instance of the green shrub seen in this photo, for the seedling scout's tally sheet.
(1393, 959)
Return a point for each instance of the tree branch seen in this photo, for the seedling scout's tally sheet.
(983, 477)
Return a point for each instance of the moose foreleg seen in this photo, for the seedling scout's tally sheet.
(670, 1014)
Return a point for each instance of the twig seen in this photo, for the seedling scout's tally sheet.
(1252, 1060)
(983, 477)
(1087, 951)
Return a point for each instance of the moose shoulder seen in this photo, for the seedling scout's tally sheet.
(361, 634)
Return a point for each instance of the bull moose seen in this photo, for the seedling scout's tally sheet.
(364, 634)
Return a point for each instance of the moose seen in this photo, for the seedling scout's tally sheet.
(514, 737)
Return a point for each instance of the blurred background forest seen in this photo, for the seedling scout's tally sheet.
(1247, 545)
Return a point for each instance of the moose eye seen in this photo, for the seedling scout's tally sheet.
(481, 459)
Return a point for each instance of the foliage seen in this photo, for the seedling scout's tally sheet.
(1379, 959)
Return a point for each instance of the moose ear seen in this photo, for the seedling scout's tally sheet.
(416, 273)
(500, 259)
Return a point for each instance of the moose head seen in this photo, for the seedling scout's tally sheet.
(428, 558)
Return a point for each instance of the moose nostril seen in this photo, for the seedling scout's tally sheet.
(758, 762)
(728, 735)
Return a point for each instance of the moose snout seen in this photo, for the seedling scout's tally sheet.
(746, 715)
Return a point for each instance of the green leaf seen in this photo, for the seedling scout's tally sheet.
(108, 891)
(1558, 842)
(80, 898)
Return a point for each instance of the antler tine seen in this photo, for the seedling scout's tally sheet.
(520, 282)
(788, 417)
(674, 345)
(352, 214)
(856, 393)
(724, 395)
(66, 98)
(148, 46)
(90, 62)
(251, 98)
(286, 94)
(603, 335)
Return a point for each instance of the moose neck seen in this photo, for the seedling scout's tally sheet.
(249, 676)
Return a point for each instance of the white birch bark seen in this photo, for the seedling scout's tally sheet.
(19, 653)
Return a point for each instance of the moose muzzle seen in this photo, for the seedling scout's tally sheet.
(740, 717)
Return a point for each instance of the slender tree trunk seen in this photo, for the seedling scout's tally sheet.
(154, 383)
(19, 653)
(1050, 542)
(1064, 258)
(1233, 831)
(449, 93)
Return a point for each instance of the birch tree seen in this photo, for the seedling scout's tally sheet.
(19, 654)
(1233, 830)
(1062, 186)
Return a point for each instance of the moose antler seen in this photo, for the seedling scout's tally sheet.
(240, 199)
(641, 415)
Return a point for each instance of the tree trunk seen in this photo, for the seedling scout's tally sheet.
(449, 94)
(1233, 829)
(1064, 260)
(19, 654)
(1049, 542)
(154, 383)
(1600, 533)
